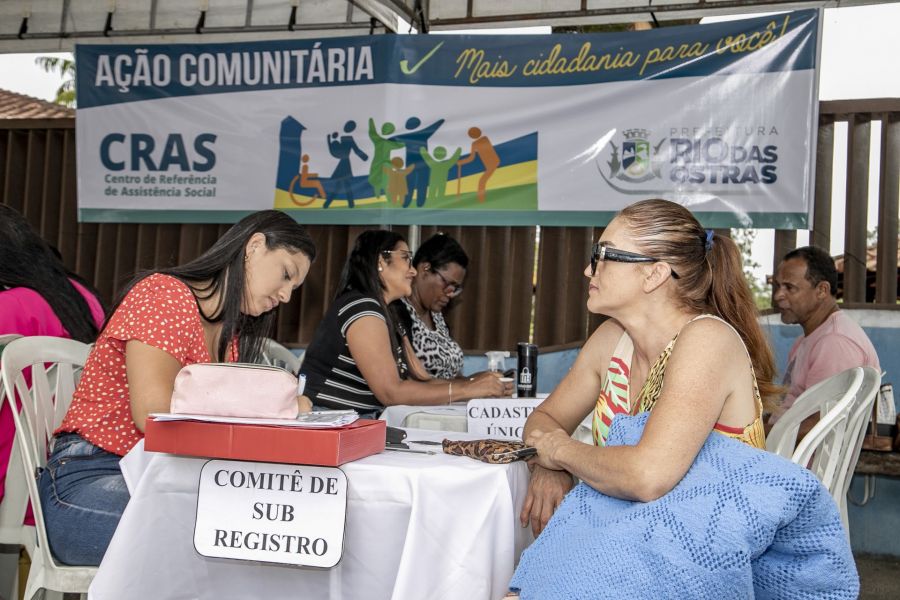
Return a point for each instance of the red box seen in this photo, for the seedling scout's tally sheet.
(292, 445)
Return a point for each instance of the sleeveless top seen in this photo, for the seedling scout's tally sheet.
(614, 398)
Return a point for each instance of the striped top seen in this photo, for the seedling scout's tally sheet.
(615, 397)
(332, 378)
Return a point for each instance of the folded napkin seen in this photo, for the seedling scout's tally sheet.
(742, 523)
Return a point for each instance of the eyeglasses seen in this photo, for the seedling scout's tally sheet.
(450, 288)
(600, 252)
(404, 255)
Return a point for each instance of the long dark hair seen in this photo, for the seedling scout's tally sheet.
(360, 274)
(220, 271)
(27, 261)
(711, 276)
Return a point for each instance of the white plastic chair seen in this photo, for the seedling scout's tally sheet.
(821, 448)
(55, 366)
(820, 398)
(273, 351)
(856, 428)
(13, 532)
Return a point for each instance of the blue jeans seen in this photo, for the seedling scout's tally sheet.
(83, 495)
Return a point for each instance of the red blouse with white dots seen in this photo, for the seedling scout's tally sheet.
(159, 311)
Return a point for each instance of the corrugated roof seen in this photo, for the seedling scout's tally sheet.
(871, 258)
(20, 106)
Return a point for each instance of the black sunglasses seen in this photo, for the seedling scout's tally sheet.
(600, 251)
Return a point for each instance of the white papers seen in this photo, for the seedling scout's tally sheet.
(322, 419)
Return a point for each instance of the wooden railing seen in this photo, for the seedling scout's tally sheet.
(859, 115)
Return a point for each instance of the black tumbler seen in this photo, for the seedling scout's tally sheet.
(526, 382)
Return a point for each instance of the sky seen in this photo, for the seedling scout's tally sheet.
(860, 47)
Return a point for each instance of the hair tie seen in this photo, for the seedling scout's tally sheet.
(709, 239)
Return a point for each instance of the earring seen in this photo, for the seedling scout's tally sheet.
(246, 257)
(380, 269)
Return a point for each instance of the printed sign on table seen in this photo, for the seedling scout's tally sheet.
(500, 417)
(555, 129)
(270, 512)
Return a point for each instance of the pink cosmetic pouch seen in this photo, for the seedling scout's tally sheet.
(235, 390)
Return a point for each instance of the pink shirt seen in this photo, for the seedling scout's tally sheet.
(24, 311)
(836, 345)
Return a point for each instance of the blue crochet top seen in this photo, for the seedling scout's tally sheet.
(742, 523)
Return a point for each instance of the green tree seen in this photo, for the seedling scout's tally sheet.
(744, 239)
(65, 94)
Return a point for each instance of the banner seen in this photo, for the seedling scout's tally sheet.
(454, 129)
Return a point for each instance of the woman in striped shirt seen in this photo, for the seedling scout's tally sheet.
(358, 358)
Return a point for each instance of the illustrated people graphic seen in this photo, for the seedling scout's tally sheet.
(440, 168)
(305, 179)
(340, 148)
(310, 180)
(381, 155)
(396, 179)
(483, 149)
(415, 141)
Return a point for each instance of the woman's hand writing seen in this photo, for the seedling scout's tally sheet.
(488, 385)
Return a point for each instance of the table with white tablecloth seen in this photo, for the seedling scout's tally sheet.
(452, 417)
(419, 527)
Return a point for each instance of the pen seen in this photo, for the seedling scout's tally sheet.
(410, 450)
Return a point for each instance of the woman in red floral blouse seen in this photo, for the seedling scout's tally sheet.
(217, 308)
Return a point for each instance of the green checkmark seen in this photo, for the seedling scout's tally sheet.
(404, 64)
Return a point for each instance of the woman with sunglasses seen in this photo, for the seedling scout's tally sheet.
(358, 358)
(661, 279)
(681, 501)
(440, 264)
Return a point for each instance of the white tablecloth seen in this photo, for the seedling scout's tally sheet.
(419, 527)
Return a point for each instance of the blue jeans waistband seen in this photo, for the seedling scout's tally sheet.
(71, 444)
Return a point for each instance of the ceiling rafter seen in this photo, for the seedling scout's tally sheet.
(27, 26)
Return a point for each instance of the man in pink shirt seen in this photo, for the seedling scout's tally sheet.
(805, 294)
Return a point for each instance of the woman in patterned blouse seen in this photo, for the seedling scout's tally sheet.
(440, 264)
(217, 308)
